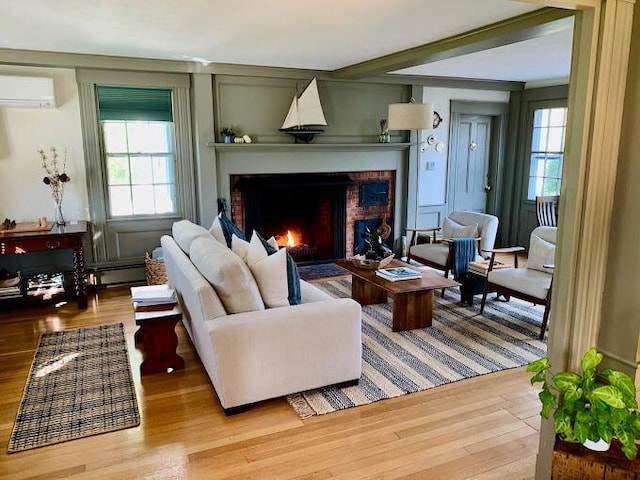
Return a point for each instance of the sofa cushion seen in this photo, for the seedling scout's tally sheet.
(240, 247)
(223, 230)
(229, 275)
(184, 232)
(293, 276)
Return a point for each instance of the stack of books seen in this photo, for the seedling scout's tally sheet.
(481, 267)
(153, 297)
(398, 273)
(47, 284)
(11, 292)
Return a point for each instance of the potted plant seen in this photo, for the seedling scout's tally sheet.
(600, 404)
(227, 134)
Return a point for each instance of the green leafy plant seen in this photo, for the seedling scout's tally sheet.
(597, 405)
(228, 131)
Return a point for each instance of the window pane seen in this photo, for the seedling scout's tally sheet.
(558, 117)
(540, 138)
(165, 198)
(120, 201)
(556, 138)
(143, 199)
(141, 171)
(115, 137)
(149, 137)
(118, 170)
(163, 170)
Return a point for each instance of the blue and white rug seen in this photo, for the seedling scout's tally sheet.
(460, 344)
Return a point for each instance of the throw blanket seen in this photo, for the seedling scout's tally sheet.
(464, 251)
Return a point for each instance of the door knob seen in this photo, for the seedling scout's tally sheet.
(487, 188)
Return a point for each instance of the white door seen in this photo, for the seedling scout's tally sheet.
(469, 181)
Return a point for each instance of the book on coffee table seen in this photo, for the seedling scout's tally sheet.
(395, 274)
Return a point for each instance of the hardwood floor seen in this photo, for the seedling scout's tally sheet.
(482, 428)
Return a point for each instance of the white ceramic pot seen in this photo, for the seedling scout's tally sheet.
(599, 446)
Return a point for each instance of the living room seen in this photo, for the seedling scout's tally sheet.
(217, 103)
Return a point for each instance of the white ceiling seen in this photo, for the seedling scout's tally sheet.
(312, 34)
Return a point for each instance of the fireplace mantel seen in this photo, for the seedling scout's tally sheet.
(336, 147)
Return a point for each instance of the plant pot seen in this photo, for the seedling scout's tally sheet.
(599, 446)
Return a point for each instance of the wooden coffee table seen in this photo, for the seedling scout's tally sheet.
(412, 299)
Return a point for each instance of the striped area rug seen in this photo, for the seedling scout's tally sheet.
(460, 344)
(80, 384)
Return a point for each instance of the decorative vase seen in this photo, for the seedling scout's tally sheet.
(59, 215)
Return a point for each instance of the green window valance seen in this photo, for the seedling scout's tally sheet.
(132, 103)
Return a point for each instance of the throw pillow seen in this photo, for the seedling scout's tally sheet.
(270, 272)
(451, 229)
(293, 276)
(223, 229)
(541, 253)
(228, 274)
(240, 247)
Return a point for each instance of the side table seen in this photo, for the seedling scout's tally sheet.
(159, 340)
(471, 284)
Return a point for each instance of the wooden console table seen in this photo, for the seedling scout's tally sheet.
(67, 237)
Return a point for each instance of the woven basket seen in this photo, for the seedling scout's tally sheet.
(156, 271)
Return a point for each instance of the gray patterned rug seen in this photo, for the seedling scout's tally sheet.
(460, 344)
(79, 385)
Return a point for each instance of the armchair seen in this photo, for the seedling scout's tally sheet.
(439, 255)
(532, 283)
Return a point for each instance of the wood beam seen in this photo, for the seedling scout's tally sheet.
(523, 27)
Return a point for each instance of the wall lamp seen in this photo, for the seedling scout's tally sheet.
(414, 116)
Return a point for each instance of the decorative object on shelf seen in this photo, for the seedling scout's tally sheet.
(384, 136)
(437, 119)
(56, 178)
(374, 247)
(600, 404)
(305, 118)
(247, 139)
(8, 224)
(228, 134)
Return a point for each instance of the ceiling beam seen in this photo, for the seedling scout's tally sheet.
(523, 27)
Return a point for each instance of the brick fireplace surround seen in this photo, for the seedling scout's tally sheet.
(353, 210)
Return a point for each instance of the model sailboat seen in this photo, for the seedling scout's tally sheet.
(305, 118)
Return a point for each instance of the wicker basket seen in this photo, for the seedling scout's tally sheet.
(156, 271)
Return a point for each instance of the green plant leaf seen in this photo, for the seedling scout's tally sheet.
(628, 441)
(548, 400)
(591, 360)
(609, 395)
(624, 383)
(538, 377)
(539, 365)
(572, 394)
(605, 431)
(562, 425)
(630, 451)
(581, 430)
(566, 380)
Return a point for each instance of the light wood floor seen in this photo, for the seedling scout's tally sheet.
(483, 428)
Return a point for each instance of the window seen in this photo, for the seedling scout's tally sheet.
(138, 150)
(140, 167)
(547, 151)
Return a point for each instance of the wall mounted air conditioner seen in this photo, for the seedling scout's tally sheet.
(35, 92)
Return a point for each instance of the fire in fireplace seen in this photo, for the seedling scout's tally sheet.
(304, 212)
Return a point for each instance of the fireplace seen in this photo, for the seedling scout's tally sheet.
(321, 211)
(304, 212)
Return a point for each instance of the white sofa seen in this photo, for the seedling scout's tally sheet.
(265, 353)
